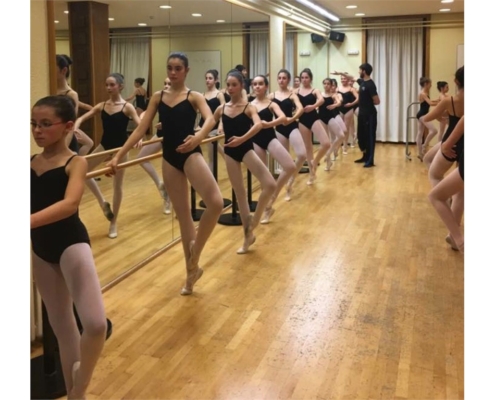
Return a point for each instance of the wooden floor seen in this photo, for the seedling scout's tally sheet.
(349, 293)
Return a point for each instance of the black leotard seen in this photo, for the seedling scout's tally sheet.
(308, 119)
(324, 113)
(237, 126)
(286, 105)
(227, 97)
(177, 123)
(265, 136)
(141, 101)
(114, 128)
(251, 98)
(50, 241)
(213, 103)
(459, 146)
(347, 97)
(424, 108)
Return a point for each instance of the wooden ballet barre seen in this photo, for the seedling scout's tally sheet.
(112, 151)
(136, 161)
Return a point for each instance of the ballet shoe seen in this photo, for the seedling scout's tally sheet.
(244, 249)
(267, 215)
(72, 395)
(166, 206)
(329, 165)
(249, 237)
(107, 211)
(112, 231)
(194, 272)
(453, 244)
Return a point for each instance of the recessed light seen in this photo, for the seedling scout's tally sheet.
(444, 10)
(220, 20)
(66, 12)
(111, 19)
(351, 7)
(360, 14)
(165, 7)
(142, 24)
(56, 21)
(196, 15)
(447, 1)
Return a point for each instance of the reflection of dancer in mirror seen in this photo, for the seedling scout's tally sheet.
(450, 186)
(140, 94)
(424, 107)
(266, 140)
(327, 113)
(115, 114)
(152, 149)
(288, 132)
(311, 99)
(78, 136)
(297, 83)
(183, 160)
(214, 98)
(350, 101)
(62, 261)
(241, 123)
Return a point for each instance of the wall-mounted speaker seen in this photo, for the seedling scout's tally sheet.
(316, 38)
(337, 36)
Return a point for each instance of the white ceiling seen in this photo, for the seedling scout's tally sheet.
(128, 13)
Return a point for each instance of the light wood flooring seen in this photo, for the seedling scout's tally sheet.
(349, 293)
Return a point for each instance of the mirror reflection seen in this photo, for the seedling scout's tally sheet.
(141, 35)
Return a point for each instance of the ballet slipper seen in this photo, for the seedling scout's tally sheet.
(72, 395)
(312, 173)
(107, 211)
(269, 211)
(451, 242)
(112, 231)
(194, 272)
(249, 237)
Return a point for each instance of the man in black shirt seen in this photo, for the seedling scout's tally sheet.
(368, 99)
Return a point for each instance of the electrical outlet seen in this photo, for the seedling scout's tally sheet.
(353, 52)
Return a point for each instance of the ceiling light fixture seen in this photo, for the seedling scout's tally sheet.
(318, 9)
(142, 24)
(196, 15)
(444, 10)
(447, 1)
(351, 7)
(220, 20)
(56, 21)
(166, 7)
(66, 12)
(360, 14)
(111, 19)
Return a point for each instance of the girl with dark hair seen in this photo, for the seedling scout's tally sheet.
(78, 136)
(309, 122)
(328, 113)
(240, 123)
(425, 103)
(115, 115)
(140, 94)
(182, 160)
(266, 140)
(443, 162)
(214, 99)
(63, 264)
(288, 132)
(350, 101)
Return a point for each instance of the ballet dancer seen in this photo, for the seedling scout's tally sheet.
(214, 99)
(62, 261)
(449, 187)
(297, 83)
(327, 113)
(266, 140)
(78, 136)
(115, 114)
(311, 99)
(139, 94)
(350, 100)
(182, 160)
(240, 123)
(288, 133)
(441, 162)
(424, 107)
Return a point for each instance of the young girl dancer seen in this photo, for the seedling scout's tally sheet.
(240, 124)
(424, 99)
(115, 114)
(152, 149)
(451, 185)
(139, 94)
(214, 99)
(311, 99)
(328, 112)
(288, 133)
(266, 140)
(77, 137)
(63, 264)
(442, 162)
(350, 100)
(182, 160)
